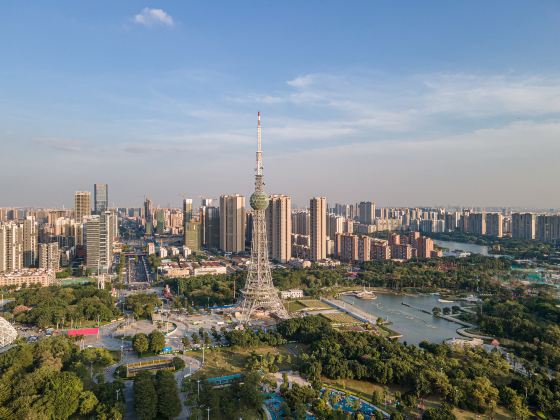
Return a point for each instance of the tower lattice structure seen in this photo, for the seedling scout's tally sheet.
(259, 292)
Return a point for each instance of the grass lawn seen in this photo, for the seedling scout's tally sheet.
(341, 318)
(500, 414)
(293, 305)
(223, 361)
(307, 304)
(314, 304)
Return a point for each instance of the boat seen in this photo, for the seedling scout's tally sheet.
(445, 301)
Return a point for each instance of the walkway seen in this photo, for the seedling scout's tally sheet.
(351, 310)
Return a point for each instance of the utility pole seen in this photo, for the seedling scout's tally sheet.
(198, 388)
(118, 390)
(208, 410)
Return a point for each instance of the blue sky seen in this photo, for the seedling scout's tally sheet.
(400, 102)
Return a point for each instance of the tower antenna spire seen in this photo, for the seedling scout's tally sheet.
(259, 146)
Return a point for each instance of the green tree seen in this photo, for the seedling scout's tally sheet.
(186, 342)
(62, 395)
(438, 414)
(88, 402)
(145, 397)
(436, 311)
(178, 363)
(169, 403)
(157, 341)
(140, 343)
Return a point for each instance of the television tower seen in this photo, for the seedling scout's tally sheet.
(259, 292)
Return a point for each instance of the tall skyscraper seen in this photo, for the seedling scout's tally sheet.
(523, 225)
(548, 228)
(193, 235)
(160, 221)
(366, 210)
(279, 223)
(100, 198)
(11, 248)
(187, 217)
(49, 256)
(477, 223)
(232, 223)
(494, 224)
(211, 227)
(301, 222)
(82, 204)
(30, 237)
(99, 244)
(259, 292)
(318, 212)
(148, 216)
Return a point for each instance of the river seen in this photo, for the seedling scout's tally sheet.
(413, 324)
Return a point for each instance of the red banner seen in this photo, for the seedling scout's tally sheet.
(83, 331)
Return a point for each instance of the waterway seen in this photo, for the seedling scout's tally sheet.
(461, 246)
(414, 325)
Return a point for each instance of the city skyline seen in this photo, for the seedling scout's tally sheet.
(403, 106)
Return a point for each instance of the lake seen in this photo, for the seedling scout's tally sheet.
(462, 246)
(413, 324)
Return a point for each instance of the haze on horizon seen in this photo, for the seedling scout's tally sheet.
(419, 103)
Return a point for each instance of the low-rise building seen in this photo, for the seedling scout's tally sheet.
(41, 277)
(208, 267)
(291, 294)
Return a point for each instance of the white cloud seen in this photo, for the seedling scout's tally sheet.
(153, 17)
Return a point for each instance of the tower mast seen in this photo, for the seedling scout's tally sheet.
(259, 292)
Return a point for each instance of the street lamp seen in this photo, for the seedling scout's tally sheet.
(198, 388)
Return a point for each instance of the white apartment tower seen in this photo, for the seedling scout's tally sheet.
(232, 223)
(279, 227)
(318, 213)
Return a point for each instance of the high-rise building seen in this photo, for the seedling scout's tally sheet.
(548, 228)
(82, 204)
(523, 225)
(366, 212)
(318, 216)
(187, 217)
(211, 227)
(279, 223)
(99, 244)
(193, 235)
(424, 247)
(30, 236)
(160, 221)
(477, 223)
(232, 223)
(11, 248)
(494, 224)
(49, 256)
(100, 198)
(335, 224)
(301, 222)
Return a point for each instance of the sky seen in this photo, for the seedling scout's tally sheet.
(405, 103)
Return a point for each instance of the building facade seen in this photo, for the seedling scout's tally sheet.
(318, 231)
(232, 223)
(279, 227)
